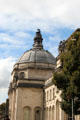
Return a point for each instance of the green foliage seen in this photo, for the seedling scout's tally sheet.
(61, 79)
(66, 106)
(68, 80)
(2, 109)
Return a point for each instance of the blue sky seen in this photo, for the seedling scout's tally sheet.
(19, 20)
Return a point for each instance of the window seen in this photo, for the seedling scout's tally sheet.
(50, 94)
(46, 97)
(53, 93)
(26, 114)
(37, 113)
(21, 75)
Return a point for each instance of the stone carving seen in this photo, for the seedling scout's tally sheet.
(61, 46)
(15, 77)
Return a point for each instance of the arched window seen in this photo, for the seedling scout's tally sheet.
(53, 93)
(37, 113)
(26, 113)
(50, 94)
(21, 75)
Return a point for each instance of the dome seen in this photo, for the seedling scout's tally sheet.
(37, 53)
(38, 56)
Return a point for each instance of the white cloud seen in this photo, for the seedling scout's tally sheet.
(46, 14)
(3, 94)
(6, 65)
(15, 40)
(52, 43)
(4, 37)
(21, 35)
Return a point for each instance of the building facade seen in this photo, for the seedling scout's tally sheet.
(32, 95)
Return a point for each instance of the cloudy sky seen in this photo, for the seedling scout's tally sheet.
(19, 20)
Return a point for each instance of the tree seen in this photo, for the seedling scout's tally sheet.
(68, 79)
(2, 110)
(2, 107)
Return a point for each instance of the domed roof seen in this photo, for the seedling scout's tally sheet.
(37, 53)
(39, 56)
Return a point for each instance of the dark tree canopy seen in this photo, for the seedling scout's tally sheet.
(68, 79)
(2, 107)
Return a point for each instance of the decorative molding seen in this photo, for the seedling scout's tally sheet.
(32, 79)
(33, 85)
(48, 85)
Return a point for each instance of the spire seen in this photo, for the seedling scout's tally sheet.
(38, 40)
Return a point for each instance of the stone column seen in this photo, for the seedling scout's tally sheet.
(57, 111)
(19, 113)
(33, 114)
(52, 113)
(62, 114)
(48, 113)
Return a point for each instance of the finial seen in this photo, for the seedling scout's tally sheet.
(38, 40)
(38, 30)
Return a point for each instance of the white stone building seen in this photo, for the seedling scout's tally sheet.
(32, 96)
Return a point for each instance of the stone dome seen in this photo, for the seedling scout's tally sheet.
(37, 54)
